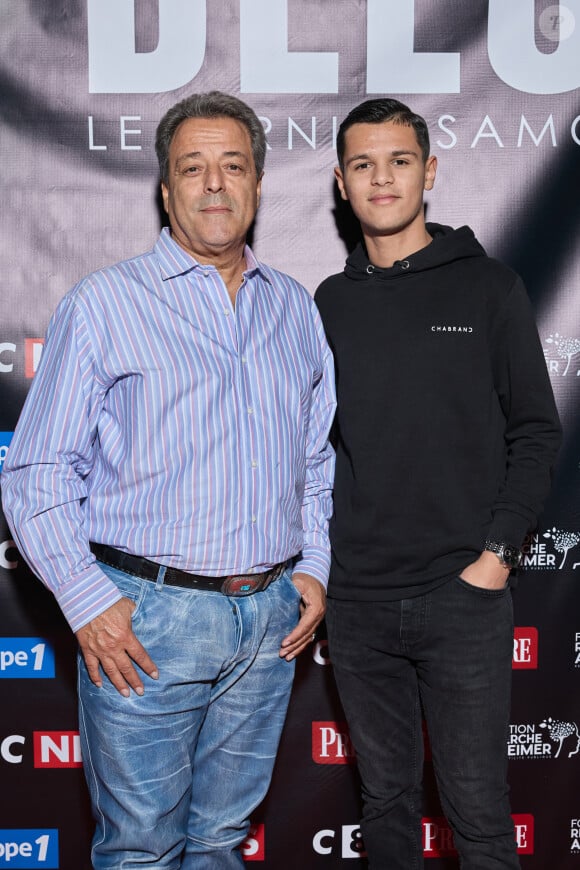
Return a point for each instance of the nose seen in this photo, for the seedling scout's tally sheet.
(214, 179)
(383, 174)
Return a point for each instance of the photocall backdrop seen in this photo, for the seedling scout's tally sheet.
(83, 84)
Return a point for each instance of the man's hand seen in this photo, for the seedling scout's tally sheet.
(487, 572)
(312, 610)
(108, 641)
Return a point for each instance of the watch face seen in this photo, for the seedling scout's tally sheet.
(511, 556)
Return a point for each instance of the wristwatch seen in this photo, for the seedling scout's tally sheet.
(508, 556)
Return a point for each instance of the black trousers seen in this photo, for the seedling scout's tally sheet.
(448, 655)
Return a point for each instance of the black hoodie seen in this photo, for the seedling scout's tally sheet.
(446, 424)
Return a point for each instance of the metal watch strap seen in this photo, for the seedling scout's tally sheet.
(508, 555)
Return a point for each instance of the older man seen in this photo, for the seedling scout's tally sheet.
(169, 481)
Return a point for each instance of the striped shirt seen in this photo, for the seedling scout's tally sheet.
(169, 424)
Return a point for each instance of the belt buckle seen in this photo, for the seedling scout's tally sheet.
(240, 585)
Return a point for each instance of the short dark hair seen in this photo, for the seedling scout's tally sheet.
(214, 104)
(377, 112)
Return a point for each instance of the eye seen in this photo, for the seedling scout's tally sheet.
(364, 165)
(190, 170)
(399, 161)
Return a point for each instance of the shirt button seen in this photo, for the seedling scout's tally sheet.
(244, 360)
(254, 464)
(227, 312)
(253, 519)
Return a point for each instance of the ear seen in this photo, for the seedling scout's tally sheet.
(259, 190)
(430, 172)
(165, 196)
(340, 181)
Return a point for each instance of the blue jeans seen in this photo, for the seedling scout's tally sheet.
(446, 655)
(174, 774)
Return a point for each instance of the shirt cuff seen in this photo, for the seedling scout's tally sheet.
(314, 562)
(508, 527)
(87, 596)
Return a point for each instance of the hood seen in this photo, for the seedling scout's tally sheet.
(447, 246)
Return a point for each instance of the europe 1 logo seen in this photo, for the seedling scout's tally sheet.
(29, 848)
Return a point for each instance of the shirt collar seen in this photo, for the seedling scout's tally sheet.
(174, 261)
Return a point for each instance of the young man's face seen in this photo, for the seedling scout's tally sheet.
(384, 177)
(212, 192)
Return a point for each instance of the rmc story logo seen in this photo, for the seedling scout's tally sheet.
(267, 65)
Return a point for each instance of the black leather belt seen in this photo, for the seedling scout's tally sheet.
(234, 584)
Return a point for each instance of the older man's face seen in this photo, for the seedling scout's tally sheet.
(212, 192)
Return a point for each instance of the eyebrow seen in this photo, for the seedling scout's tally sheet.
(397, 152)
(194, 154)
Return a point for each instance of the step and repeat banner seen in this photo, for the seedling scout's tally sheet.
(83, 84)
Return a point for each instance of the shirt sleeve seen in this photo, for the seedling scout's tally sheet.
(317, 501)
(532, 430)
(50, 457)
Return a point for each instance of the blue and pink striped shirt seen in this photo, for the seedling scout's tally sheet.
(167, 423)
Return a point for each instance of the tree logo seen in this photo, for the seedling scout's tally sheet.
(560, 354)
(563, 542)
(560, 731)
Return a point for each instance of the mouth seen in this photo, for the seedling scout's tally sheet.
(216, 209)
(383, 199)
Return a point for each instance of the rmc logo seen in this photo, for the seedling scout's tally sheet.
(268, 67)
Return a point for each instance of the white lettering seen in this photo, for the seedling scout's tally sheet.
(250, 846)
(352, 843)
(7, 347)
(392, 64)
(6, 748)
(116, 67)
(452, 137)
(573, 131)
(515, 57)
(267, 125)
(42, 843)
(266, 65)
(6, 563)
(521, 836)
(320, 653)
(522, 649)
(487, 122)
(92, 146)
(9, 658)
(430, 833)
(525, 126)
(330, 737)
(318, 842)
(292, 125)
(129, 132)
(49, 746)
(38, 651)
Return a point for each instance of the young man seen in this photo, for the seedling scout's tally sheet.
(170, 481)
(446, 434)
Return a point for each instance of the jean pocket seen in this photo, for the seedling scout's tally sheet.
(482, 591)
(129, 586)
(288, 585)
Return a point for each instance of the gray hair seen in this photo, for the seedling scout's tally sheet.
(214, 104)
